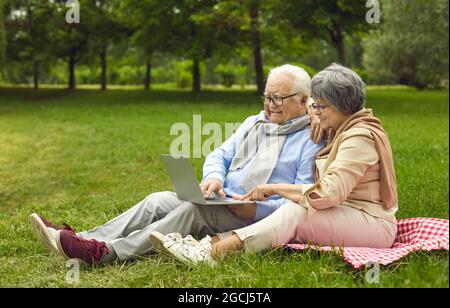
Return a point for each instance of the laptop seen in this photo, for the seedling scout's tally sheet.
(186, 185)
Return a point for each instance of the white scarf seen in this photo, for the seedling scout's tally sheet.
(263, 157)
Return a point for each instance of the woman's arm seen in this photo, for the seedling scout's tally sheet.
(292, 192)
(355, 155)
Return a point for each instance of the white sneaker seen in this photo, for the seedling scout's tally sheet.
(157, 239)
(45, 234)
(187, 250)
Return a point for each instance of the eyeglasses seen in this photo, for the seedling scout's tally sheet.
(319, 107)
(277, 100)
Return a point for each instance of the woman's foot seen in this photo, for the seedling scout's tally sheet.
(186, 250)
(71, 246)
(46, 231)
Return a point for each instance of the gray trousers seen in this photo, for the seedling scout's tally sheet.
(129, 233)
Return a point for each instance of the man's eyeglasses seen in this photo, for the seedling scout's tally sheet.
(319, 107)
(277, 100)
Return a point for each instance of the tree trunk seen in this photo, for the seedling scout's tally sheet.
(256, 37)
(336, 34)
(36, 75)
(148, 76)
(72, 62)
(196, 86)
(196, 83)
(341, 49)
(104, 78)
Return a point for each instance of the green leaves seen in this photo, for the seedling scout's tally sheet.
(411, 44)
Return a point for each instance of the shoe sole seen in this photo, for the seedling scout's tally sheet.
(157, 241)
(43, 234)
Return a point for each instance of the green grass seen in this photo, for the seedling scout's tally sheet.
(84, 157)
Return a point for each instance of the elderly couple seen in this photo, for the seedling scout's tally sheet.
(341, 193)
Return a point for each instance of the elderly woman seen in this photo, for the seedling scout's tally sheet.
(353, 201)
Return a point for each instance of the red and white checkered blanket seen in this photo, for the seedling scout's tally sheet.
(413, 234)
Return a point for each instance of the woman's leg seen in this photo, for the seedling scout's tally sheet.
(344, 226)
(337, 226)
(277, 229)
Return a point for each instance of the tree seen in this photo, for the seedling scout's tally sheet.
(239, 24)
(70, 39)
(411, 46)
(258, 28)
(28, 40)
(2, 35)
(331, 20)
(254, 10)
(200, 28)
(195, 32)
(105, 27)
(150, 29)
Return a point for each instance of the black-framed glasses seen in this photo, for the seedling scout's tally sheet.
(319, 107)
(277, 100)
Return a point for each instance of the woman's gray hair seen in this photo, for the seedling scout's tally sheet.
(340, 86)
(301, 81)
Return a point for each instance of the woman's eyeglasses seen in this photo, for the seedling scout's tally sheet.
(319, 107)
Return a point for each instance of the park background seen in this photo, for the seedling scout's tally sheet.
(86, 108)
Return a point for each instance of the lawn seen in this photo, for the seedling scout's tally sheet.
(84, 157)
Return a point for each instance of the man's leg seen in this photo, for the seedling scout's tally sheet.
(153, 208)
(185, 219)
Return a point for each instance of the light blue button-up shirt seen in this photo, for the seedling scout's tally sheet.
(295, 165)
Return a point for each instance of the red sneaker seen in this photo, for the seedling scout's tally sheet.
(74, 247)
(47, 236)
(48, 224)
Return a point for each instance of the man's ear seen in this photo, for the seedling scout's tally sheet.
(304, 99)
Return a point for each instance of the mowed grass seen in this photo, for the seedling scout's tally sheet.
(84, 157)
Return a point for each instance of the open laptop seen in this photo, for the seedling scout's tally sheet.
(186, 185)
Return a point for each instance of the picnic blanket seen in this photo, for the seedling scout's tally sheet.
(413, 234)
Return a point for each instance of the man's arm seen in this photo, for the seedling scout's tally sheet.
(217, 163)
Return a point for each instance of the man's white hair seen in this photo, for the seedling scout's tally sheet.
(301, 81)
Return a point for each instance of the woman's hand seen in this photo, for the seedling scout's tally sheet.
(317, 133)
(258, 193)
(291, 192)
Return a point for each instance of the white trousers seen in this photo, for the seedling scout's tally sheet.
(340, 226)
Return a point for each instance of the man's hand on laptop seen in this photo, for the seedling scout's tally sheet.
(211, 186)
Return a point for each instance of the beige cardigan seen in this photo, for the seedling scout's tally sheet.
(352, 177)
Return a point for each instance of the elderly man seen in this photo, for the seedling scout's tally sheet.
(271, 147)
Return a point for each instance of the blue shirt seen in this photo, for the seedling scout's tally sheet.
(295, 165)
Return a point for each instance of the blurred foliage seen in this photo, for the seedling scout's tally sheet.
(2, 37)
(411, 45)
(217, 41)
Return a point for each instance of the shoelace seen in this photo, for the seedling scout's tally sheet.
(96, 248)
(189, 240)
(197, 253)
(68, 228)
